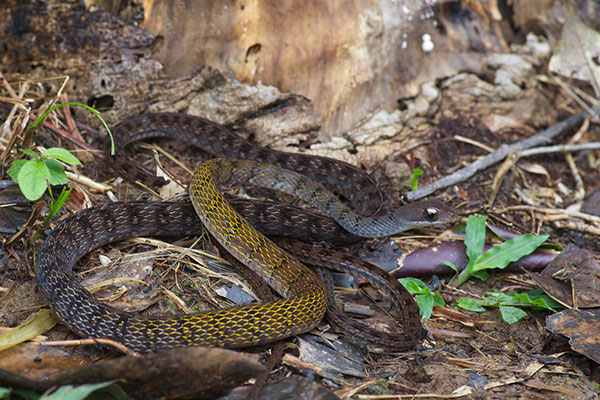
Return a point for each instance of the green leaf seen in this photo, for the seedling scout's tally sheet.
(533, 298)
(14, 169)
(55, 206)
(414, 285)
(26, 394)
(64, 195)
(30, 153)
(509, 251)
(482, 275)
(57, 172)
(511, 314)
(470, 304)
(62, 155)
(426, 303)
(450, 265)
(44, 320)
(33, 179)
(5, 393)
(425, 298)
(438, 300)
(475, 237)
(75, 392)
(537, 299)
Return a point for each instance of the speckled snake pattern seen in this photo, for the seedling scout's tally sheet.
(304, 297)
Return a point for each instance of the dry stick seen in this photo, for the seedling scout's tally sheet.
(16, 133)
(495, 157)
(512, 159)
(579, 184)
(575, 97)
(92, 341)
(560, 148)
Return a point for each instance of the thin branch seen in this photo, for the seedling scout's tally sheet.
(561, 148)
(92, 341)
(467, 172)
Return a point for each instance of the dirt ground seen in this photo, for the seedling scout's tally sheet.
(452, 122)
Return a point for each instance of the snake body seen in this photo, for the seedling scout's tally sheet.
(233, 327)
(338, 177)
(304, 297)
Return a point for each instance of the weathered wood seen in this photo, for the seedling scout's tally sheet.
(349, 57)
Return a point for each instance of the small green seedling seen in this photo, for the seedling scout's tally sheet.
(44, 170)
(414, 181)
(41, 171)
(497, 257)
(508, 303)
(426, 299)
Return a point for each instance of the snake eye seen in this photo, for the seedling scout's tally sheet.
(431, 214)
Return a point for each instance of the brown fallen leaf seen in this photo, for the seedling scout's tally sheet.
(572, 279)
(575, 49)
(581, 327)
(33, 361)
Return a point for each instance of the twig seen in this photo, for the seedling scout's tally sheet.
(274, 359)
(16, 133)
(84, 180)
(495, 157)
(177, 301)
(37, 208)
(92, 341)
(474, 143)
(574, 96)
(571, 225)
(561, 148)
(7, 86)
(553, 211)
(569, 147)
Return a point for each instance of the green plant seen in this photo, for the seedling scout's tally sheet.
(508, 303)
(426, 299)
(414, 180)
(497, 257)
(41, 171)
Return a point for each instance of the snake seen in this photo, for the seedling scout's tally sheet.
(327, 184)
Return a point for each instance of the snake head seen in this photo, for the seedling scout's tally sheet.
(424, 213)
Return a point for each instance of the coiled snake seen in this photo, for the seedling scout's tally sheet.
(304, 300)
